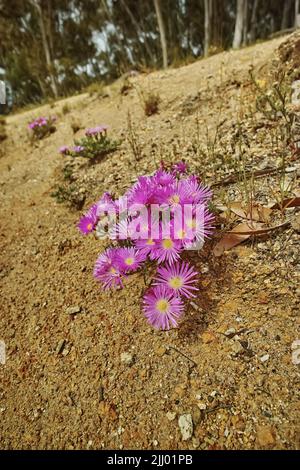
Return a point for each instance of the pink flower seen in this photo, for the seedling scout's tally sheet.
(146, 246)
(166, 249)
(143, 192)
(129, 259)
(163, 178)
(107, 270)
(180, 167)
(179, 278)
(95, 131)
(161, 308)
(64, 150)
(89, 221)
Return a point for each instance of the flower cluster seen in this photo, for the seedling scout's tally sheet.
(95, 144)
(42, 126)
(156, 220)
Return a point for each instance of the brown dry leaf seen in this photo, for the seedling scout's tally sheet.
(289, 202)
(240, 233)
(256, 212)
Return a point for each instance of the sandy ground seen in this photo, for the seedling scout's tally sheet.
(64, 384)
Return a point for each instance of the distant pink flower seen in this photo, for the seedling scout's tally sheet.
(161, 308)
(94, 131)
(78, 148)
(89, 221)
(179, 278)
(64, 150)
(129, 259)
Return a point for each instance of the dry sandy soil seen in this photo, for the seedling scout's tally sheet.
(64, 384)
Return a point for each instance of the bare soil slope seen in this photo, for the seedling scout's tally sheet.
(64, 384)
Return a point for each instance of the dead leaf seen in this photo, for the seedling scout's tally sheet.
(241, 233)
(255, 212)
(232, 238)
(289, 202)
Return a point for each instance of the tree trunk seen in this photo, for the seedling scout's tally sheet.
(162, 33)
(239, 24)
(49, 64)
(285, 15)
(297, 15)
(252, 33)
(245, 23)
(207, 25)
(138, 30)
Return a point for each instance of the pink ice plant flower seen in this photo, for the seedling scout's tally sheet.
(162, 308)
(180, 167)
(129, 259)
(179, 278)
(78, 148)
(107, 269)
(64, 150)
(88, 221)
(165, 250)
(93, 131)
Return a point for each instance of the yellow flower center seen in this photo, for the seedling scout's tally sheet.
(90, 227)
(175, 199)
(149, 241)
(167, 244)
(112, 270)
(162, 305)
(181, 234)
(129, 261)
(191, 223)
(175, 282)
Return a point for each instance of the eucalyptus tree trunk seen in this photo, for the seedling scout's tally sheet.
(239, 24)
(297, 14)
(207, 25)
(162, 32)
(252, 32)
(37, 6)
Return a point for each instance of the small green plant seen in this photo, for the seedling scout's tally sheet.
(273, 102)
(133, 140)
(96, 144)
(70, 195)
(3, 134)
(42, 126)
(151, 103)
(66, 109)
(96, 88)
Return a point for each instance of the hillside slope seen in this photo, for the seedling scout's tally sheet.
(64, 384)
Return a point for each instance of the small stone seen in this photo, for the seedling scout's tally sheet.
(73, 310)
(60, 346)
(265, 436)
(196, 415)
(196, 442)
(202, 406)
(230, 332)
(185, 423)
(237, 348)
(208, 337)
(127, 358)
(160, 351)
(264, 358)
(296, 223)
(171, 416)
(101, 393)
